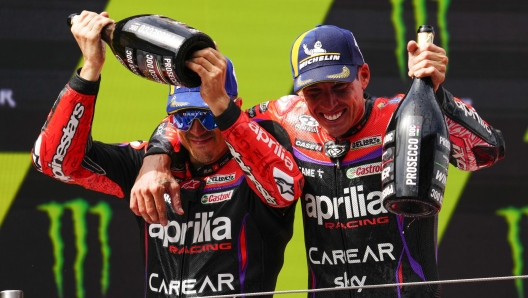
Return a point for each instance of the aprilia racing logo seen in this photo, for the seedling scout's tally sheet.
(278, 150)
(356, 203)
(470, 113)
(68, 132)
(204, 228)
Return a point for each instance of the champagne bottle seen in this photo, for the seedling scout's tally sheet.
(155, 47)
(416, 150)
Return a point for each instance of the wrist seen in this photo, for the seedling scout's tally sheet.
(220, 105)
(90, 71)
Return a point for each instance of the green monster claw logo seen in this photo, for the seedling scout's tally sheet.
(513, 217)
(79, 208)
(420, 17)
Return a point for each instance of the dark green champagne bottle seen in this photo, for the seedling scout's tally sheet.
(155, 47)
(416, 150)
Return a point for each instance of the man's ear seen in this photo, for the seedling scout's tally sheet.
(238, 101)
(364, 75)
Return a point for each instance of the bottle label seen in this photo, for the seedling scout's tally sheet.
(150, 66)
(169, 70)
(410, 134)
(155, 34)
(389, 138)
(441, 159)
(387, 160)
(129, 61)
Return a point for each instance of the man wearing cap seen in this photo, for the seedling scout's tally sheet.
(337, 132)
(228, 233)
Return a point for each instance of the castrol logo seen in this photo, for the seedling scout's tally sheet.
(364, 170)
(217, 197)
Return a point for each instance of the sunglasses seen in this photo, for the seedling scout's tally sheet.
(184, 119)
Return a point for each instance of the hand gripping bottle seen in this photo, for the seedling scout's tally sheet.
(155, 47)
(416, 150)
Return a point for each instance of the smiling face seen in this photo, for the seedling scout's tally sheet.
(337, 106)
(204, 146)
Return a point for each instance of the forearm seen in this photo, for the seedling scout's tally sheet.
(475, 144)
(66, 131)
(263, 155)
(164, 140)
(64, 149)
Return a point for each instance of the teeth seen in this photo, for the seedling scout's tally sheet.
(333, 117)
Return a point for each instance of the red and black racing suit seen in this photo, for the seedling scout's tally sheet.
(230, 240)
(350, 238)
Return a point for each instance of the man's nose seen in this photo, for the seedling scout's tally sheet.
(197, 128)
(331, 98)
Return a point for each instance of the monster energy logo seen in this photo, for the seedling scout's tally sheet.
(78, 208)
(513, 217)
(420, 18)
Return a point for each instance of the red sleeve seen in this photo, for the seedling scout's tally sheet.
(65, 151)
(474, 143)
(265, 155)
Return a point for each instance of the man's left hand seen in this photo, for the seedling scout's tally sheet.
(154, 181)
(427, 60)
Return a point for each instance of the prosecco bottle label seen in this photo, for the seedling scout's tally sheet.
(155, 34)
(410, 135)
(441, 164)
(169, 70)
(416, 150)
(129, 61)
(387, 160)
(150, 66)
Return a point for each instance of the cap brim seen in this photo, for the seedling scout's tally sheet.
(185, 100)
(328, 73)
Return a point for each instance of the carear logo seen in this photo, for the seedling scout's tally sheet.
(79, 209)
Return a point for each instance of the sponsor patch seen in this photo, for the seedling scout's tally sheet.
(307, 123)
(308, 120)
(263, 107)
(366, 142)
(191, 184)
(308, 145)
(364, 170)
(251, 112)
(217, 197)
(284, 183)
(217, 179)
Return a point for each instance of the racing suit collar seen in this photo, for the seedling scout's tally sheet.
(210, 168)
